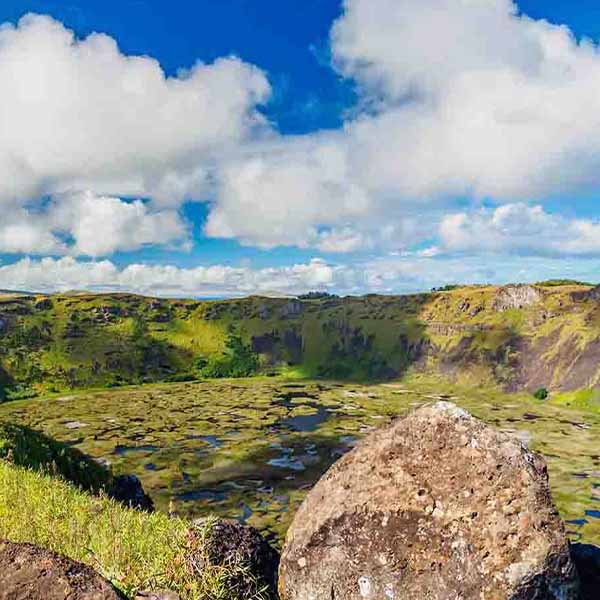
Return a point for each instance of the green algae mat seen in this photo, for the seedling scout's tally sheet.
(251, 449)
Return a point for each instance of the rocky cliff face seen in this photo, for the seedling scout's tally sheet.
(519, 337)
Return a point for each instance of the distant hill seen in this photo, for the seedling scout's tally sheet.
(15, 293)
(518, 337)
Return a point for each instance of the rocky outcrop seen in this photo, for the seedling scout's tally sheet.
(28, 572)
(128, 490)
(593, 294)
(516, 296)
(438, 506)
(587, 561)
(250, 560)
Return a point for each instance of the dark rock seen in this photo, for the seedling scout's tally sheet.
(253, 563)
(593, 294)
(587, 561)
(44, 304)
(438, 506)
(128, 490)
(31, 573)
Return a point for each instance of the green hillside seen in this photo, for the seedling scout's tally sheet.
(517, 337)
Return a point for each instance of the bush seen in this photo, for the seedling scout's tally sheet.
(541, 394)
(238, 360)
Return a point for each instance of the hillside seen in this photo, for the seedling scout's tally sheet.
(518, 337)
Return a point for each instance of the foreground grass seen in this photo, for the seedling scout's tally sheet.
(135, 550)
(53, 496)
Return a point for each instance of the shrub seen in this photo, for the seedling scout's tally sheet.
(541, 394)
(238, 360)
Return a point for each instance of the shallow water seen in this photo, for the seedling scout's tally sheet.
(252, 449)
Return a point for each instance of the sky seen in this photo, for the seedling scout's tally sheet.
(227, 148)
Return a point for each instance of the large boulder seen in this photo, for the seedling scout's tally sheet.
(30, 572)
(437, 506)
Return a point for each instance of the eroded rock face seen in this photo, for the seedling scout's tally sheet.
(37, 574)
(516, 296)
(438, 506)
(593, 294)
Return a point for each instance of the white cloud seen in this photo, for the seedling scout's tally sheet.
(103, 225)
(388, 274)
(79, 114)
(520, 228)
(66, 273)
(459, 98)
(86, 224)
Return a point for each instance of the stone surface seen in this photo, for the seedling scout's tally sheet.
(28, 572)
(128, 490)
(437, 506)
(252, 561)
(587, 560)
(516, 296)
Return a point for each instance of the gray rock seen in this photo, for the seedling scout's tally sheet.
(516, 296)
(437, 506)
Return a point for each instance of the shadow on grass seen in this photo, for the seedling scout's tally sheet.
(31, 449)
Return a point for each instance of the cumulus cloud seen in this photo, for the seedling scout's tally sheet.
(520, 228)
(458, 98)
(410, 272)
(87, 224)
(49, 274)
(79, 114)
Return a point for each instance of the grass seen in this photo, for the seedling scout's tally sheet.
(588, 400)
(46, 499)
(66, 342)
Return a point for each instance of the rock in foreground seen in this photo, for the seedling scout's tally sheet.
(249, 560)
(36, 574)
(587, 561)
(438, 506)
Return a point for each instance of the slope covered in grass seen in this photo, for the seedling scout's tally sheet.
(518, 337)
(46, 499)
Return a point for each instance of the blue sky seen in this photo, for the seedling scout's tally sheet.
(379, 145)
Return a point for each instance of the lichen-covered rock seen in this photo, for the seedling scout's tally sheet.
(249, 559)
(587, 560)
(438, 506)
(516, 296)
(32, 573)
